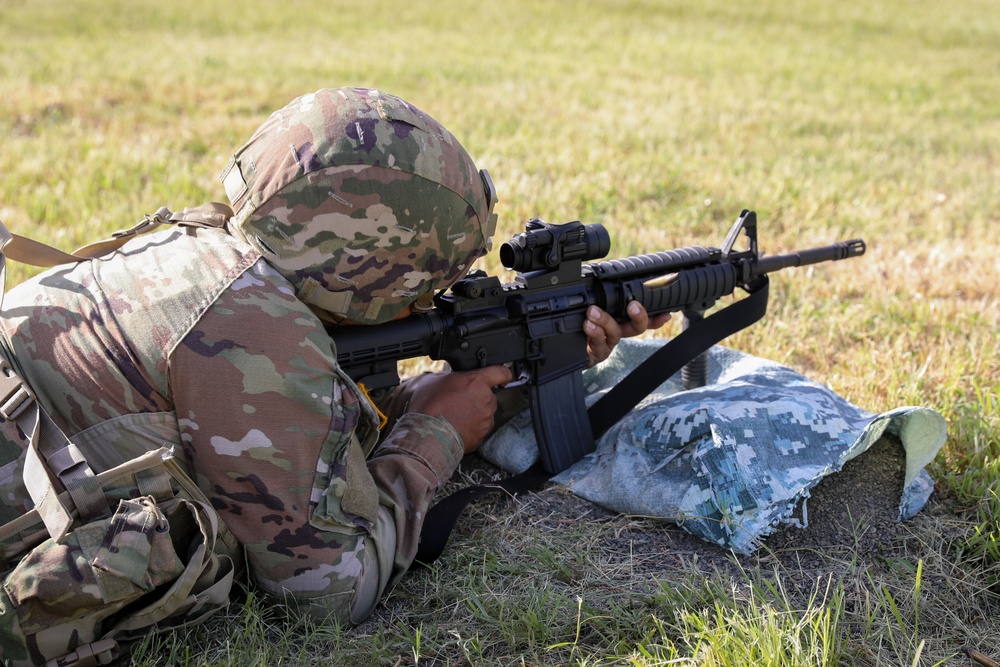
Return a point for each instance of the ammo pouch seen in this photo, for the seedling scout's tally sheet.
(104, 557)
(154, 554)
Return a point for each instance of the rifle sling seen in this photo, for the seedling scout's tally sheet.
(442, 517)
(671, 358)
(605, 412)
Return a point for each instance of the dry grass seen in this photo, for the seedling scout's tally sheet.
(661, 120)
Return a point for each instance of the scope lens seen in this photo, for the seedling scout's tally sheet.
(510, 255)
(598, 241)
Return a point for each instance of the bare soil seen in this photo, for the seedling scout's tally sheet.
(853, 510)
(851, 524)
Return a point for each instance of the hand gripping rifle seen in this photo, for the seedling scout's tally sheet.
(535, 323)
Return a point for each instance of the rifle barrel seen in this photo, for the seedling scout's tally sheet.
(828, 253)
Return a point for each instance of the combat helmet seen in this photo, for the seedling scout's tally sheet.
(363, 202)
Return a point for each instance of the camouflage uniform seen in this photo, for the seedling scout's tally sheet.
(188, 338)
(348, 203)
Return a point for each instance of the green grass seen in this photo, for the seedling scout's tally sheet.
(661, 119)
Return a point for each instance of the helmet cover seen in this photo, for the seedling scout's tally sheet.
(362, 201)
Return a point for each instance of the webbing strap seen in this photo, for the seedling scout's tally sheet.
(606, 411)
(44, 436)
(53, 513)
(155, 482)
(29, 251)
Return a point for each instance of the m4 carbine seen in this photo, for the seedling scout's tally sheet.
(534, 324)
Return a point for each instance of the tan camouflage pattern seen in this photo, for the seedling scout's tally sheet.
(110, 576)
(361, 194)
(189, 339)
(96, 570)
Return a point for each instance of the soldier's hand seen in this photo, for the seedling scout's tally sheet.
(604, 332)
(465, 399)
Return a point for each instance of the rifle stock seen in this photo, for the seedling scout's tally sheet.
(535, 323)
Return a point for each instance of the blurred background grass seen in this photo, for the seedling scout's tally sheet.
(661, 119)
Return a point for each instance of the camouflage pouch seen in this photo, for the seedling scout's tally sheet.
(158, 557)
(116, 553)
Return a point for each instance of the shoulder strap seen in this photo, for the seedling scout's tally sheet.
(48, 447)
(28, 251)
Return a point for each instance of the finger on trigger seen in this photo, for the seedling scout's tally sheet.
(496, 376)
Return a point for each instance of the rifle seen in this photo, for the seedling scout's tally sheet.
(535, 323)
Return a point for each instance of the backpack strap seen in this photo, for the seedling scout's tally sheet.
(22, 249)
(48, 447)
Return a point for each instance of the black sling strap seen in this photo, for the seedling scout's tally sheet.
(698, 338)
(442, 517)
(672, 357)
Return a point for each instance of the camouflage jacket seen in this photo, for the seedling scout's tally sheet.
(187, 338)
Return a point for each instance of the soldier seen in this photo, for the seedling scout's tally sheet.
(351, 207)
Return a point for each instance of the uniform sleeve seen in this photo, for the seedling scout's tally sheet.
(276, 437)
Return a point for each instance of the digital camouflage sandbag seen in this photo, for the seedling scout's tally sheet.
(103, 557)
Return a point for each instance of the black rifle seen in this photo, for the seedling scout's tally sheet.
(535, 323)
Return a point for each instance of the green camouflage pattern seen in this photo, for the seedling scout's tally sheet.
(188, 339)
(95, 571)
(102, 578)
(358, 193)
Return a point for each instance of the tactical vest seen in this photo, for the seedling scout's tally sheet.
(103, 556)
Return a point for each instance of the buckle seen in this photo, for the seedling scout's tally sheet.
(15, 395)
(89, 655)
(161, 217)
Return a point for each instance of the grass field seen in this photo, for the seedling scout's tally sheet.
(662, 120)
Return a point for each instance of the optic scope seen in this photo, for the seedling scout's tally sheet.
(545, 246)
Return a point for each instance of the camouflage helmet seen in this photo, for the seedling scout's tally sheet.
(362, 201)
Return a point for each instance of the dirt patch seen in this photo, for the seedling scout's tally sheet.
(851, 516)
